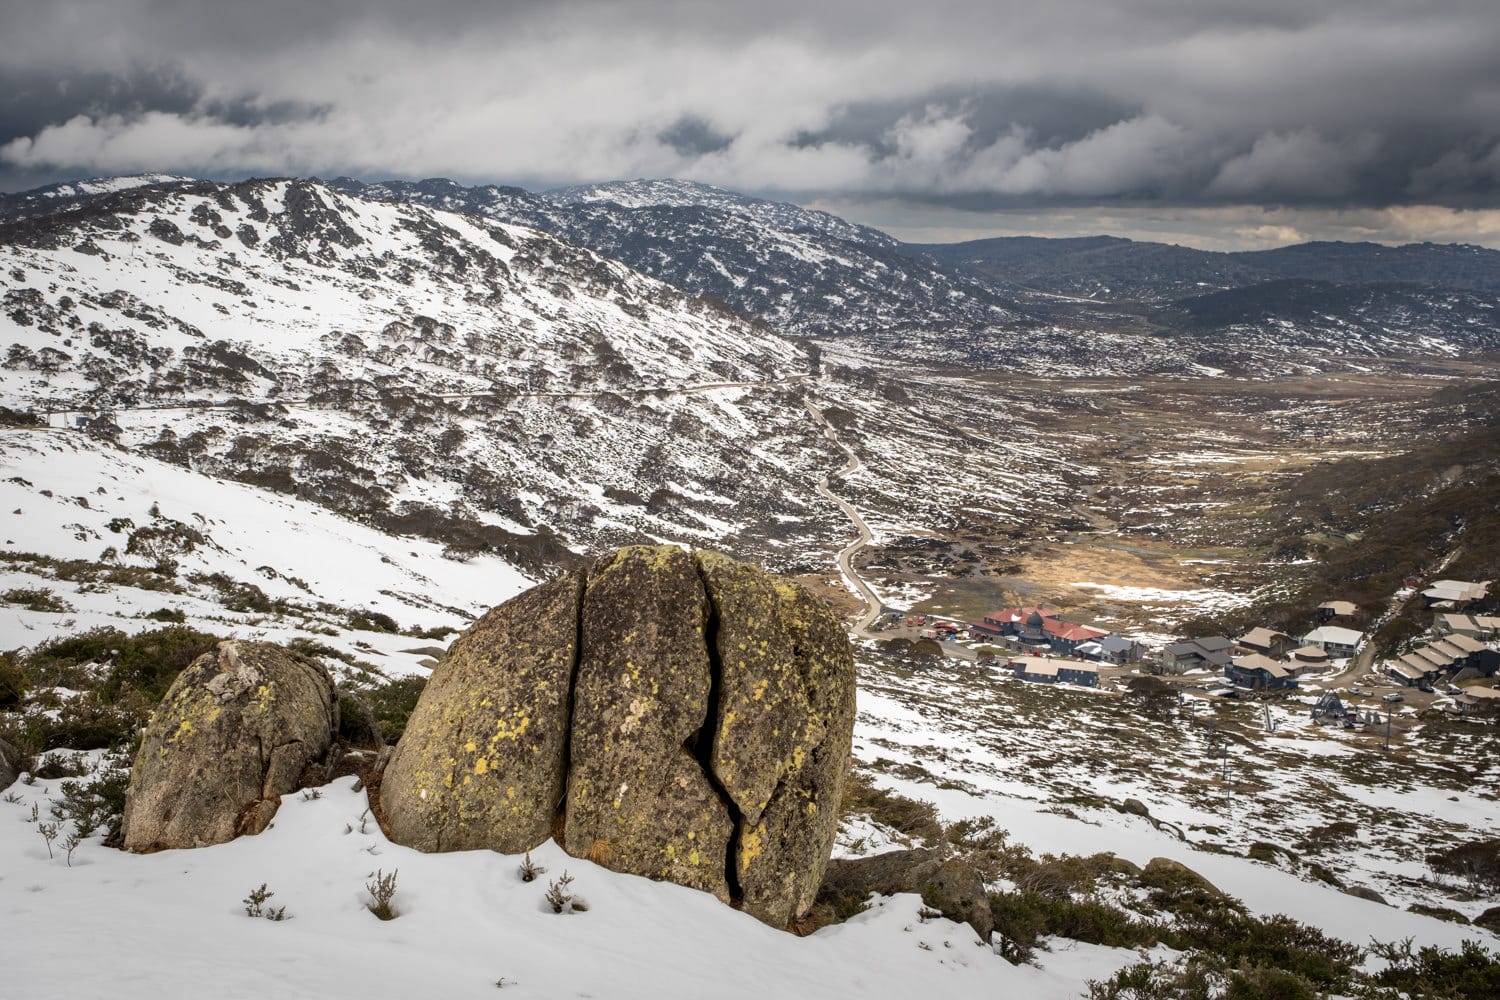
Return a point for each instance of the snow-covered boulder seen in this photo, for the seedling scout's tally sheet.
(239, 728)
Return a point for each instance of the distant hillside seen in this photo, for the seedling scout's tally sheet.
(1111, 269)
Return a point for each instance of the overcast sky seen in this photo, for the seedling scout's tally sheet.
(1213, 122)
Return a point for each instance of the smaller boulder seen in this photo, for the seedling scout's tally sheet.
(239, 728)
(958, 893)
(1489, 919)
(1175, 878)
(1136, 807)
(1364, 892)
(951, 887)
(12, 763)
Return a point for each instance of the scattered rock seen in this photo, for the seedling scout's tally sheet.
(12, 763)
(951, 887)
(1489, 919)
(957, 891)
(1175, 877)
(239, 728)
(1135, 807)
(679, 716)
(885, 874)
(1364, 892)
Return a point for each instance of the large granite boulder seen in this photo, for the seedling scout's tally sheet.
(483, 761)
(670, 714)
(639, 797)
(783, 726)
(240, 727)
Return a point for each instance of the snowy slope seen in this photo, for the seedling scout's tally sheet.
(69, 498)
(489, 386)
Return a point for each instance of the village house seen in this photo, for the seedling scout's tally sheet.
(1259, 672)
(1412, 670)
(1312, 656)
(1329, 610)
(1265, 641)
(1335, 640)
(1478, 701)
(1046, 671)
(1208, 653)
(1455, 593)
(1112, 648)
(1037, 629)
(1473, 626)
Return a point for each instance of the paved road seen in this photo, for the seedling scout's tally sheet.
(861, 589)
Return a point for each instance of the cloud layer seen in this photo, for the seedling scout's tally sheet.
(982, 105)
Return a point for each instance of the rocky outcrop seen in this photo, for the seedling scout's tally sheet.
(674, 715)
(240, 727)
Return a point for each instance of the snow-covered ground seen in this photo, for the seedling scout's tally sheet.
(173, 924)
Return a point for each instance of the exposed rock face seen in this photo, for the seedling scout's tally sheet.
(679, 716)
(236, 731)
(483, 760)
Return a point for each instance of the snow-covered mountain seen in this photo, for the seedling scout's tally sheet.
(803, 272)
(481, 384)
(1095, 306)
(487, 386)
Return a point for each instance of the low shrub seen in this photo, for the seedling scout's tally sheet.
(1471, 973)
(373, 621)
(14, 682)
(37, 599)
(1023, 918)
(392, 701)
(911, 817)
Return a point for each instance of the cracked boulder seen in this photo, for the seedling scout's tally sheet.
(679, 716)
(482, 763)
(639, 798)
(239, 728)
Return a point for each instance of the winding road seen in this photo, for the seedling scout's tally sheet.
(873, 604)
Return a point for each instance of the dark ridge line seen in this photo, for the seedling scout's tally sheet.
(560, 813)
(702, 746)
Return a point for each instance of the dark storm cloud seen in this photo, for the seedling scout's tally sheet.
(972, 105)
